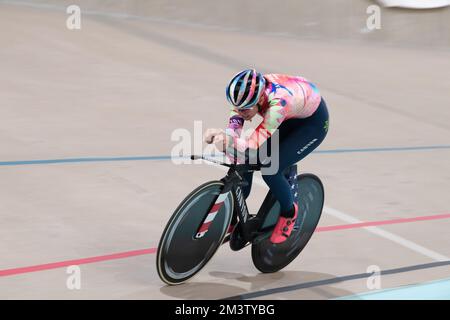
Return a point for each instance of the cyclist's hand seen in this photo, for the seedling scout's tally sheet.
(209, 135)
(219, 142)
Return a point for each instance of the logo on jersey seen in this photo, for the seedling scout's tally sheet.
(236, 122)
(326, 125)
(307, 146)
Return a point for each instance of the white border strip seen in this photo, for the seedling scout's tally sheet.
(415, 4)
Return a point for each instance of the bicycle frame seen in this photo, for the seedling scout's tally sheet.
(250, 226)
(233, 182)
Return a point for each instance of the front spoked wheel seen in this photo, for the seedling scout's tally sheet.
(181, 254)
(268, 257)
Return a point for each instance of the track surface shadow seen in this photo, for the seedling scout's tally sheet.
(258, 283)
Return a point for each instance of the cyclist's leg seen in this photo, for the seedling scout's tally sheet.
(304, 136)
(283, 132)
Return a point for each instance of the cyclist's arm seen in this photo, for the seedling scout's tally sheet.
(235, 124)
(273, 117)
(233, 131)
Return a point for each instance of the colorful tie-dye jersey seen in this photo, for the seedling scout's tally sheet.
(284, 97)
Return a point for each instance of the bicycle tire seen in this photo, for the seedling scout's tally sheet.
(180, 255)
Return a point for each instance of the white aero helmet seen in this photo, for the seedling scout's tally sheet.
(245, 89)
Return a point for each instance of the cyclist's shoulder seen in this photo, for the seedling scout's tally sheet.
(293, 86)
(281, 85)
(283, 78)
(286, 79)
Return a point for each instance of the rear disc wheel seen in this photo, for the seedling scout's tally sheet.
(268, 257)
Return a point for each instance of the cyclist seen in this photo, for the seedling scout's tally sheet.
(293, 110)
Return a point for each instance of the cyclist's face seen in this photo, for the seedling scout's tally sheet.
(248, 114)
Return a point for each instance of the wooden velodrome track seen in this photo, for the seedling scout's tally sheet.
(86, 177)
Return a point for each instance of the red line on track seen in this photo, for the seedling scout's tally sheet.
(128, 254)
(61, 264)
(383, 222)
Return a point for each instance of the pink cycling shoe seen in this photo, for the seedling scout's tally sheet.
(284, 227)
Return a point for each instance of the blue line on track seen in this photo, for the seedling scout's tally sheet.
(80, 160)
(155, 158)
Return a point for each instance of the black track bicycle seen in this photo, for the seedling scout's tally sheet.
(216, 213)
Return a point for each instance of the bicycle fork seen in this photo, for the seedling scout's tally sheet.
(211, 215)
(230, 182)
